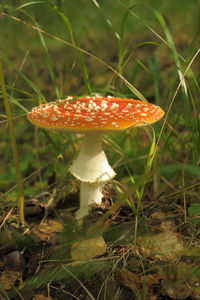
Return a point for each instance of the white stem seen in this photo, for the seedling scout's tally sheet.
(89, 193)
(92, 169)
(91, 165)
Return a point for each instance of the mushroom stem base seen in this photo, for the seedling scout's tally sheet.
(89, 193)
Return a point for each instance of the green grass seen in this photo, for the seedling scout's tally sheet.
(20, 204)
(147, 50)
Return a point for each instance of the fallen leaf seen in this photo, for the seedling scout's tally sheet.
(50, 227)
(46, 230)
(166, 243)
(168, 225)
(178, 291)
(8, 278)
(135, 282)
(129, 279)
(88, 249)
(179, 281)
(158, 215)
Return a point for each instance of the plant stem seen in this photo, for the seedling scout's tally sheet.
(20, 204)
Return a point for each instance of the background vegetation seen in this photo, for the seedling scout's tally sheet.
(52, 49)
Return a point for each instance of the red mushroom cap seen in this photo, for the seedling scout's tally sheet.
(94, 113)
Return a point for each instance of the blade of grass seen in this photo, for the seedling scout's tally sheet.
(14, 148)
(172, 47)
(124, 80)
(75, 44)
(172, 168)
(48, 61)
(81, 284)
(28, 4)
(107, 20)
(149, 162)
(176, 60)
(20, 69)
(122, 52)
(28, 81)
(17, 103)
(154, 65)
(135, 47)
(4, 292)
(169, 42)
(140, 189)
(142, 21)
(172, 101)
(44, 47)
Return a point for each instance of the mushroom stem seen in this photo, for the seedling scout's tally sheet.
(93, 170)
(88, 192)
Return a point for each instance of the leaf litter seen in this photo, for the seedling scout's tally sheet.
(160, 265)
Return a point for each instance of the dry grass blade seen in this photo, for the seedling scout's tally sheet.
(14, 149)
(81, 284)
(173, 99)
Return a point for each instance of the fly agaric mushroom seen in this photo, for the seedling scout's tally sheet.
(93, 116)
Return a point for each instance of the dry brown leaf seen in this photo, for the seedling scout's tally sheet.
(178, 291)
(158, 215)
(46, 230)
(168, 225)
(129, 279)
(179, 281)
(166, 243)
(50, 227)
(135, 282)
(41, 235)
(8, 278)
(88, 249)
